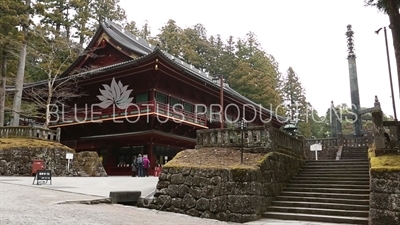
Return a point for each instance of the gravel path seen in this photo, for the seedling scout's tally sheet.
(27, 205)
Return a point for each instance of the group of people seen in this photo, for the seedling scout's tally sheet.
(140, 166)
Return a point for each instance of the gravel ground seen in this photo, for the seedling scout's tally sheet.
(27, 205)
(36, 205)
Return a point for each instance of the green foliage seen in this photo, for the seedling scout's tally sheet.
(343, 110)
(297, 107)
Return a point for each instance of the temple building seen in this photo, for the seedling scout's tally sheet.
(141, 100)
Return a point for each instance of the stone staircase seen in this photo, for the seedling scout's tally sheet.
(354, 153)
(327, 191)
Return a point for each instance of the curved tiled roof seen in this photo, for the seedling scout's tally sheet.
(145, 49)
(140, 45)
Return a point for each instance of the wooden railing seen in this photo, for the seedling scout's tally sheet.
(31, 132)
(253, 137)
(96, 114)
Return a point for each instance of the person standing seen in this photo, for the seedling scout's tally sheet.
(134, 167)
(139, 163)
(146, 166)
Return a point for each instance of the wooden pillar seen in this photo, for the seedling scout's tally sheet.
(151, 156)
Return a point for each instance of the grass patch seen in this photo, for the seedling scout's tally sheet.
(8, 143)
(216, 158)
(384, 163)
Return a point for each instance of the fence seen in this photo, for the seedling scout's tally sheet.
(31, 132)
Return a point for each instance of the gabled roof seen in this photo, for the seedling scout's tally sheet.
(141, 46)
(144, 49)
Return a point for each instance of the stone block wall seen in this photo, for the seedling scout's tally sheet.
(384, 198)
(18, 161)
(232, 194)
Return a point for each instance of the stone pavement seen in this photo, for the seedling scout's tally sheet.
(19, 195)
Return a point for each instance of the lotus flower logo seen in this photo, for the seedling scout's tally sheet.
(116, 94)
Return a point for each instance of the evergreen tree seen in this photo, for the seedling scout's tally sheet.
(255, 76)
(25, 21)
(170, 38)
(132, 28)
(10, 38)
(295, 100)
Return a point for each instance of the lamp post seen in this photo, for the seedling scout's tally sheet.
(242, 124)
(390, 71)
(221, 97)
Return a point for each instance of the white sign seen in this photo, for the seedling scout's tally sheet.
(316, 148)
(69, 156)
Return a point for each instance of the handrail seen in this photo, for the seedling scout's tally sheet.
(31, 132)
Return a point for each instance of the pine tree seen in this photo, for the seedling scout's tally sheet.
(255, 76)
(132, 28)
(170, 38)
(9, 39)
(295, 101)
(25, 22)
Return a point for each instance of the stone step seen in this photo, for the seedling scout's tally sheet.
(336, 167)
(337, 162)
(325, 200)
(356, 157)
(318, 211)
(327, 190)
(339, 195)
(334, 160)
(327, 185)
(335, 174)
(320, 205)
(317, 218)
(329, 181)
(330, 178)
(333, 170)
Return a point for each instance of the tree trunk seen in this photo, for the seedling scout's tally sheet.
(394, 17)
(19, 82)
(48, 101)
(3, 86)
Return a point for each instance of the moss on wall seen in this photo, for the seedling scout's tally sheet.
(388, 162)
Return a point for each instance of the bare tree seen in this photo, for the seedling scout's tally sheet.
(53, 55)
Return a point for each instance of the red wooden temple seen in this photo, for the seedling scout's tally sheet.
(131, 88)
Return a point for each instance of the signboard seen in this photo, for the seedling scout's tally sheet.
(316, 147)
(69, 156)
(42, 177)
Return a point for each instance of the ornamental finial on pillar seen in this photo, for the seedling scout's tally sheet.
(377, 103)
(350, 41)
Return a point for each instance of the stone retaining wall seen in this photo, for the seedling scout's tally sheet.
(236, 194)
(384, 198)
(18, 162)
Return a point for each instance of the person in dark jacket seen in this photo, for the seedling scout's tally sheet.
(134, 167)
(139, 163)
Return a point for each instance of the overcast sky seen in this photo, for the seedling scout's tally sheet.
(308, 35)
